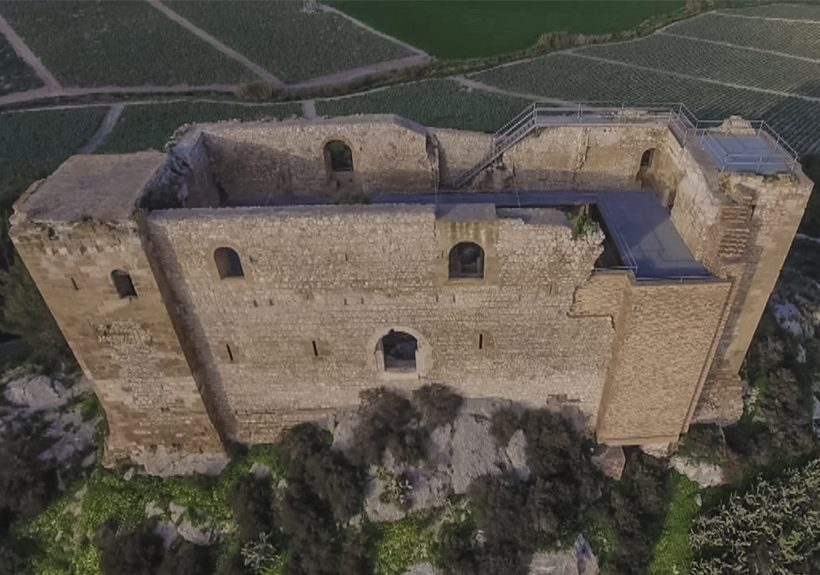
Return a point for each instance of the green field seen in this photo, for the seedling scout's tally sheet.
(441, 103)
(33, 144)
(573, 78)
(457, 29)
(145, 126)
(796, 38)
(290, 43)
(15, 75)
(117, 43)
(723, 63)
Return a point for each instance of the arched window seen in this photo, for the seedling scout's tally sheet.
(466, 261)
(647, 157)
(338, 156)
(123, 284)
(228, 263)
(399, 350)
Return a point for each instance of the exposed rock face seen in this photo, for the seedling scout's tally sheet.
(458, 453)
(421, 569)
(703, 473)
(576, 561)
(611, 462)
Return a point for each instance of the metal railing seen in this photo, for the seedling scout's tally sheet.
(686, 127)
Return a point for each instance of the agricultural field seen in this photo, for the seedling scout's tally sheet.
(33, 144)
(15, 75)
(91, 44)
(723, 63)
(775, 10)
(146, 126)
(290, 43)
(456, 29)
(440, 103)
(795, 38)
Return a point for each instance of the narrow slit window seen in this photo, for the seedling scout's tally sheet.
(230, 353)
(123, 284)
(74, 284)
(315, 349)
(481, 341)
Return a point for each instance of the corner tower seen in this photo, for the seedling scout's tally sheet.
(78, 233)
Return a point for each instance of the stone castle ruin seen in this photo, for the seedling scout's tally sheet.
(262, 274)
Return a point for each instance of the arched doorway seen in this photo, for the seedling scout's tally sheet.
(399, 350)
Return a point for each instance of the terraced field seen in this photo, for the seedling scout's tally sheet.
(15, 75)
(717, 64)
(796, 38)
(441, 103)
(117, 43)
(292, 44)
(723, 63)
(796, 11)
(145, 126)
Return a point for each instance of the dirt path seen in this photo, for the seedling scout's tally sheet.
(227, 50)
(28, 56)
(739, 47)
(102, 132)
(355, 73)
(481, 86)
(360, 24)
(691, 77)
(40, 93)
(309, 109)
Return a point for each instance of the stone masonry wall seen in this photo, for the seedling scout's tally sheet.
(343, 276)
(127, 347)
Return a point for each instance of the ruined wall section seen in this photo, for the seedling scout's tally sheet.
(271, 162)
(340, 277)
(560, 157)
(127, 347)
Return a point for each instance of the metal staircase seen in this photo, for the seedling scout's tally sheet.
(541, 115)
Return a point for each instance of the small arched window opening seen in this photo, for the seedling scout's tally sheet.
(646, 158)
(123, 284)
(399, 350)
(228, 263)
(338, 156)
(466, 261)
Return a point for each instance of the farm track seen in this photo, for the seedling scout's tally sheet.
(261, 72)
(769, 18)
(478, 85)
(106, 126)
(25, 53)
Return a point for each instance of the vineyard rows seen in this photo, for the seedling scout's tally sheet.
(572, 78)
(723, 63)
(795, 11)
(797, 38)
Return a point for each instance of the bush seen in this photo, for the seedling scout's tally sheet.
(772, 528)
(24, 313)
(387, 421)
(437, 404)
(137, 552)
(309, 459)
(185, 558)
(251, 500)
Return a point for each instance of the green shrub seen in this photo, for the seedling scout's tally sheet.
(260, 556)
(672, 553)
(401, 545)
(772, 528)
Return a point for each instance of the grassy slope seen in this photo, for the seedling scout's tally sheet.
(440, 103)
(33, 144)
(15, 75)
(672, 552)
(117, 43)
(151, 125)
(291, 44)
(457, 29)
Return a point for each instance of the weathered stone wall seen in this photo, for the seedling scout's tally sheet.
(560, 157)
(126, 346)
(271, 162)
(344, 276)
